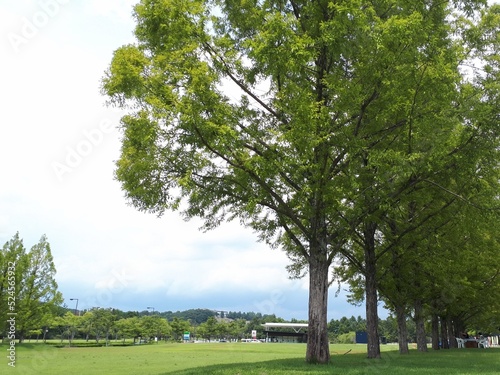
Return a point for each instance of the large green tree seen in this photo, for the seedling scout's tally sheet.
(34, 288)
(305, 120)
(454, 192)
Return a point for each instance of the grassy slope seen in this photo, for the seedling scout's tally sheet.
(239, 359)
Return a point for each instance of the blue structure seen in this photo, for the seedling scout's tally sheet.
(361, 338)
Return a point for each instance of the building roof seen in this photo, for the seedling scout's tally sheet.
(295, 326)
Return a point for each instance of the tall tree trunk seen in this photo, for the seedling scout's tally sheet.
(420, 326)
(458, 328)
(402, 330)
(452, 343)
(435, 331)
(371, 292)
(318, 350)
(444, 334)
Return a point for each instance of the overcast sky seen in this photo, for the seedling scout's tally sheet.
(58, 144)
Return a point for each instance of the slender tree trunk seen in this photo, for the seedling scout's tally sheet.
(402, 330)
(458, 329)
(435, 331)
(371, 292)
(444, 334)
(452, 343)
(318, 350)
(420, 326)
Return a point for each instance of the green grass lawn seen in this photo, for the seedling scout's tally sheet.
(241, 358)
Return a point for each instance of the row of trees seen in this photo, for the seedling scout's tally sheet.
(100, 325)
(28, 289)
(105, 324)
(356, 135)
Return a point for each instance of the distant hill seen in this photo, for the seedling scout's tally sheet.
(201, 315)
(194, 315)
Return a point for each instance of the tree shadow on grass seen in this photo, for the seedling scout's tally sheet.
(353, 364)
(356, 364)
(274, 367)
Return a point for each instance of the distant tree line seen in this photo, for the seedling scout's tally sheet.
(98, 326)
(28, 293)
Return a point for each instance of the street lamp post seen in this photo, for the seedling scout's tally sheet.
(76, 308)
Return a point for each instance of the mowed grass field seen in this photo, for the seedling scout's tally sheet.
(240, 359)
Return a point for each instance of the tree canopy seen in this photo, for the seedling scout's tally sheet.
(309, 122)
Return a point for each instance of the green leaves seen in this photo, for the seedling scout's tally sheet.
(325, 126)
(125, 78)
(27, 284)
(279, 110)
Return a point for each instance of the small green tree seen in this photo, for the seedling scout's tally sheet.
(101, 322)
(154, 326)
(208, 329)
(125, 328)
(132, 327)
(237, 328)
(68, 325)
(223, 330)
(179, 326)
